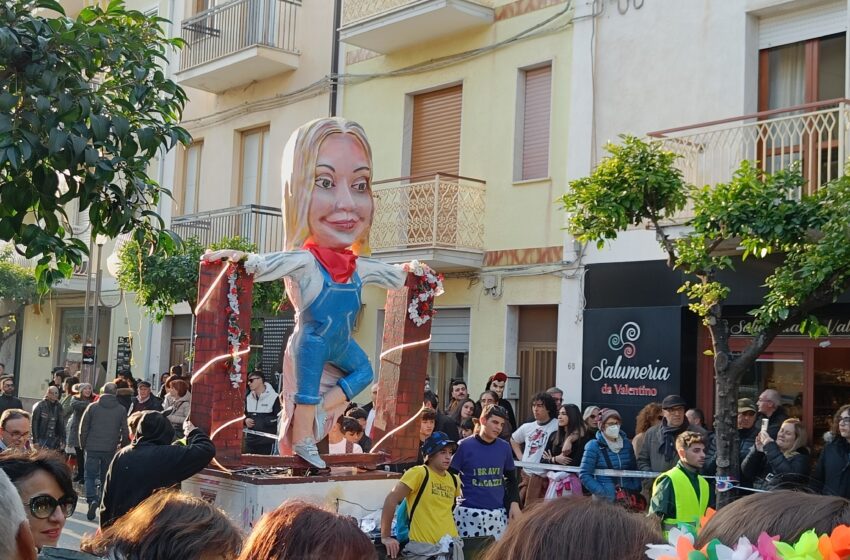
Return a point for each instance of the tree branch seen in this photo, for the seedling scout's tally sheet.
(666, 242)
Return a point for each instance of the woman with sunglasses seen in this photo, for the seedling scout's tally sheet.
(43, 481)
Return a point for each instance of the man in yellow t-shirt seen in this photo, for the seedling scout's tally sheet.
(432, 527)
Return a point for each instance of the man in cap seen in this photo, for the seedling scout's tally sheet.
(145, 400)
(658, 453)
(747, 427)
(430, 491)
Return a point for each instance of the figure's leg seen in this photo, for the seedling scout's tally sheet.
(309, 357)
(358, 370)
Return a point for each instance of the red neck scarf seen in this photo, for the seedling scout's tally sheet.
(340, 263)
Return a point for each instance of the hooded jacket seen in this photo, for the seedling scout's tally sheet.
(104, 425)
(150, 463)
(833, 469)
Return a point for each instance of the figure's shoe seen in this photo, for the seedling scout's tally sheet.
(306, 449)
(321, 420)
(92, 512)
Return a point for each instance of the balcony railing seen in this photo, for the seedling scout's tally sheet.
(357, 10)
(261, 225)
(439, 211)
(814, 134)
(229, 28)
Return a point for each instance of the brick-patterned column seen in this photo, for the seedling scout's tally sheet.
(401, 377)
(215, 401)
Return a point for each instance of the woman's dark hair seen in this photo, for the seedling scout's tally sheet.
(836, 435)
(779, 512)
(20, 465)
(576, 528)
(168, 525)
(176, 370)
(455, 415)
(575, 422)
(357, 413)
(430, 397)
(69, 383)
(548, 401)
(181, 386)
(301, 531)
(647, 417)
(468, 424)
(428, 414)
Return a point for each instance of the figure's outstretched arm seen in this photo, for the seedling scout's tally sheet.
(265, 267)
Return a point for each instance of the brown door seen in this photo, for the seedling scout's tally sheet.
(536, 369)
(179, 353)
(434, 163)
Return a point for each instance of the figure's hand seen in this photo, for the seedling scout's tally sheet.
(515, 512)
(391, 545)
(187, 427)
(563, 460)
(547, 457)
(224, 254)
(249, 423)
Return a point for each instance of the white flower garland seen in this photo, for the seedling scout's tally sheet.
(421, 307)
(235, 334)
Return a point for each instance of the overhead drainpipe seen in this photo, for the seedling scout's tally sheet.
(332, 109)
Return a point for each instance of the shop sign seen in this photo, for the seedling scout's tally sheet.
(838, 326)
(631, 357)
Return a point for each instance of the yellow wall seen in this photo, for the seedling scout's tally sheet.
(518, 215)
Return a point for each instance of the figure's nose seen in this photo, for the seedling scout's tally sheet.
(344, 199)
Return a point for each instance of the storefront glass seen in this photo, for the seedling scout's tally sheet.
(782, 371)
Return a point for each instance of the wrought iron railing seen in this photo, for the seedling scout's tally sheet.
(441, 211)
(261, 225)
(814, 134)
(354, 11)
(237, 25)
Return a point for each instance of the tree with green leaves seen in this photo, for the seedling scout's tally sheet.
(84, 107)
(755, 215)
(161, 281)
(17, 290)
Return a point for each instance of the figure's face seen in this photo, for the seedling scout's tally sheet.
(563, 419)
(45, 532)
(765, 404)
(16, 434)
(53, 394)
(442, 459)
(459, 392)
(694, 455)
(498, 387)
(144, 392)
(541, 414)
(487, 399)
(746, 419)
(351, 437)
(426, 428)
(844, 424)
(592, 420)
(693, 419)
(86, 392)
(493, 427)
(466, 410)
(341, 202)
(8, 387)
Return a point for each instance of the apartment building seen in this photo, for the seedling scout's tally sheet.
(717, 82)
(466, 106)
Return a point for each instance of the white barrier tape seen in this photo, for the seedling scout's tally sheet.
(256, 433)
(597, 472)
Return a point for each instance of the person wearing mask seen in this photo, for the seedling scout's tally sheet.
(770, 407)
(529, 444)
(658, 453)
(832, 472)
(151, 463)
(15, 430)
(44, 486)
(681, 495)
(262, 410)
(145, 400)
(48, 425)
(488, 477)
(591, 419)
(497, 383)
(610, 450)
(782, 461)
(7, 396)
(103, 429)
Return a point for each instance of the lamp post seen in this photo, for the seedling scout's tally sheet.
(100, 241)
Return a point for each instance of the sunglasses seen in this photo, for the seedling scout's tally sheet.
(43, 507)
(252, 379)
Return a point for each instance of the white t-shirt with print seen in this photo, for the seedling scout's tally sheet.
(339, 448)
(534, 436)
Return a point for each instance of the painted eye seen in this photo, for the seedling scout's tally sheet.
(361, 186)
(324, 183)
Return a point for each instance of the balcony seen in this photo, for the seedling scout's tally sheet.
(385, 26)
(814, 134)
(239, 42)
(262, 225)
(437, 219)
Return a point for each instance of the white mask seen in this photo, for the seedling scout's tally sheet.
(612, 431)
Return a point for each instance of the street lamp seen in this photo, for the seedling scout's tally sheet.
(100, 241)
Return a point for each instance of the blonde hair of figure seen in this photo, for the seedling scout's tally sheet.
(298, 171)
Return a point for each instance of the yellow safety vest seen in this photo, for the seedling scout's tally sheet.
(689, 508)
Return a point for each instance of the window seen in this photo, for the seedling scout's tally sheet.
(191, 177)
(535, 102)
(254, 185)
(435, 143)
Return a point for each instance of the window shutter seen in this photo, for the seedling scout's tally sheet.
(535, 123)
(190, 178)
(435, 147)
(802, 25)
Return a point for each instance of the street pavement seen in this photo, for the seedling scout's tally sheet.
(77, 526)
